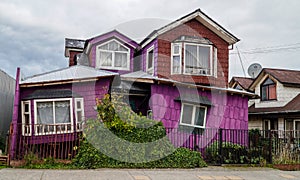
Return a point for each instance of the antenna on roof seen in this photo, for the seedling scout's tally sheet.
(254, 69)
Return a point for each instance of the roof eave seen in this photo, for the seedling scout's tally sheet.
(201, 17)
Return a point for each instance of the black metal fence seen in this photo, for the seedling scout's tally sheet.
(217, 146)
(233, 146)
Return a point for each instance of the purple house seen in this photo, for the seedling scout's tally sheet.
(178, 75)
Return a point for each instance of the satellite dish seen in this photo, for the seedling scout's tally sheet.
(254, 69)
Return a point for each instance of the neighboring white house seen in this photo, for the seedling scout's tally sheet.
(278, 107)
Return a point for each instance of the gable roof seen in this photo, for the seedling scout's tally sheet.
(66, 75)
(285, 76)
(202, 18)
(244, 82)
(292, 106)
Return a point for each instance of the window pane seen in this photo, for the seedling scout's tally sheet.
(272, 91)
(45, 113)
(268, 82)
(120, 59)
(176, 64)
(113, 46)
(191, 56)
(79, 116)
(62, 112)
(204, 57)
(187, 114)
(78, 104)
(105, 58)
(289, 125)
(176, 49)
(104, 47)
(26, 107)
(26, 116)
(297, 126)
(199, 116)
(150, 59)
(122, 48)
(264, 95)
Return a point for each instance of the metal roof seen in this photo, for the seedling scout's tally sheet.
(71, 73)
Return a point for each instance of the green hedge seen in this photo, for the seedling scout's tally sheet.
(91, 158)
(121, 138)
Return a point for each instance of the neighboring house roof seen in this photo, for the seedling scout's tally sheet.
(285, 76)
(244, 82)
(73, 44)
(202, 18)
(292, 106)
(68, 74)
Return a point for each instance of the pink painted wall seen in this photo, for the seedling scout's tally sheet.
(227, 111)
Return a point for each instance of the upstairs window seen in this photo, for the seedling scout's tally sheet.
(197, 59)
(268, 90)
(112, 55)
(193, 56)
(150, 61)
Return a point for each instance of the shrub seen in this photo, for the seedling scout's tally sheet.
(133, 141)
(232, 154)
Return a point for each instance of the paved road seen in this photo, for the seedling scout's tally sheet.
(209, 173)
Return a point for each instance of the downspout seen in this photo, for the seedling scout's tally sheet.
(14, 131)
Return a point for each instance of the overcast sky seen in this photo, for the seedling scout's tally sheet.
(32, 32)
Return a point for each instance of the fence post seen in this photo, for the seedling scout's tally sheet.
(195, 140)
(270, 146)
(220, 145)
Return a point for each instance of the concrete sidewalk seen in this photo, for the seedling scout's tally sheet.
(208, 173)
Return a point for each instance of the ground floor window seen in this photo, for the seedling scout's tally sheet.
(53, 116)
(193, 115)
(293, 126)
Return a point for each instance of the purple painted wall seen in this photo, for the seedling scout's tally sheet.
(144, 56)
(108, 36)
(227, 111)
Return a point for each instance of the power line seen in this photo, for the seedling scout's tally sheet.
(270, 49)
(241, 61)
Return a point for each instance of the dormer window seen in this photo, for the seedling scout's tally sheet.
(112, 55)
(268, 90)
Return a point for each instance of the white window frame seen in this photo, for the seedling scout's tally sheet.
(150, 70)
(77, 109)
(25, 127)
(98, 63)
(176, 54)
(210, 56)
(296, 132)
(193, 115)
(54, 131)
(269, 124)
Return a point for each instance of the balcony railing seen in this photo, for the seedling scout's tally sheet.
(48, 129)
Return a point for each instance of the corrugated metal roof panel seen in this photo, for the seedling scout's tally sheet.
(70, 73)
